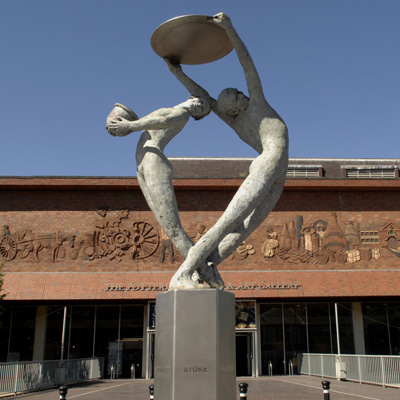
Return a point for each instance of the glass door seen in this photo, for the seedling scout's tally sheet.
(272, 339)
(131, 359)
(295, 321)
(245, 354)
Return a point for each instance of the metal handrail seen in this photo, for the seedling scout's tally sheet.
(20, 377)
(376, 369)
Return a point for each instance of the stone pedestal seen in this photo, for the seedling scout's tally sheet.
(195, 345)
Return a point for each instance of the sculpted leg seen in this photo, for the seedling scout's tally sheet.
(161, 200)
(247, 210)
(247, 198)
(252, 222)
(160, 196)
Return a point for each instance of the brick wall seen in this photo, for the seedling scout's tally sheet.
(43, 216)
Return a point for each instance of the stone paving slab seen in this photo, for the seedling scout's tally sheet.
(264, 388)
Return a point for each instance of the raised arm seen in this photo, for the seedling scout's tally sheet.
(193, 88)
(252, 78)
(196, 90)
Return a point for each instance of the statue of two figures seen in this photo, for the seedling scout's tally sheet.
(256, 123)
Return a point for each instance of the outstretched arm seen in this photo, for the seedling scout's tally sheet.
(252, 78)
(193, 88)
(160, 119)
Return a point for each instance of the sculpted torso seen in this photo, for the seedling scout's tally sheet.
(173, 122)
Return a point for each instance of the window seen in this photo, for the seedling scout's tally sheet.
(245, 312)
(304, 171)
(370, 172)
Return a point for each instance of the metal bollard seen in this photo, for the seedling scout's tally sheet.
(151, 390)
(112, 371)
(291, 369)
(243, 390)
(63, 392)
(325, 388)
(133, 375)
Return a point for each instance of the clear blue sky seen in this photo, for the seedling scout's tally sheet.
(331, 68)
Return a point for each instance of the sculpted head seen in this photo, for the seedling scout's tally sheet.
(232, 102)
(199, 107)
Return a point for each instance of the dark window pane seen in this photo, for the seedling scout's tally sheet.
(295, 333)
(319, 328)
(132, 340)
(375, 328)
(82, 330)
(346, 331)
(271, 338)
(54, 326)
(132, 322)
(22, 333)
(106, 345)
(5, 321)
(394, 322)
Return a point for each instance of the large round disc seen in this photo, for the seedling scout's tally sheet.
(190, 39)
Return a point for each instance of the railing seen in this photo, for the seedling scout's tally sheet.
(379, 370)
(19, 377)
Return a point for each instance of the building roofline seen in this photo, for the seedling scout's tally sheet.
(131, 183)
(290, 159)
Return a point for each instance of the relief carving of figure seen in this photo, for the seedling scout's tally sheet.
(243, 251)
(200, 231)
(270, 246)
(166, 244)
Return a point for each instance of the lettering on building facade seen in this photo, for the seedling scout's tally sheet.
(154, 287)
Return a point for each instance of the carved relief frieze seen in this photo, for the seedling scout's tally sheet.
(23, 243)
(323, 242)
(110, 238)
(116, 236)
(115, 240)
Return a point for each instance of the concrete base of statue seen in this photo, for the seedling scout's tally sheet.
(195, 345)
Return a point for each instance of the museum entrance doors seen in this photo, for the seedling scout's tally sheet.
(283, 336)
(287, 330)
(131, 358)
(245, 354)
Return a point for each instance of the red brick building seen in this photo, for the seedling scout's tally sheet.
(84, 259)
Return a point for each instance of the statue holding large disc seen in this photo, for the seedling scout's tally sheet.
(189, 40)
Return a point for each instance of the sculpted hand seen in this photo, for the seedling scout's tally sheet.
(173, 66)
(118, 127)
(222, 20)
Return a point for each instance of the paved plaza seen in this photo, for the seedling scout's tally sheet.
(265, 388)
